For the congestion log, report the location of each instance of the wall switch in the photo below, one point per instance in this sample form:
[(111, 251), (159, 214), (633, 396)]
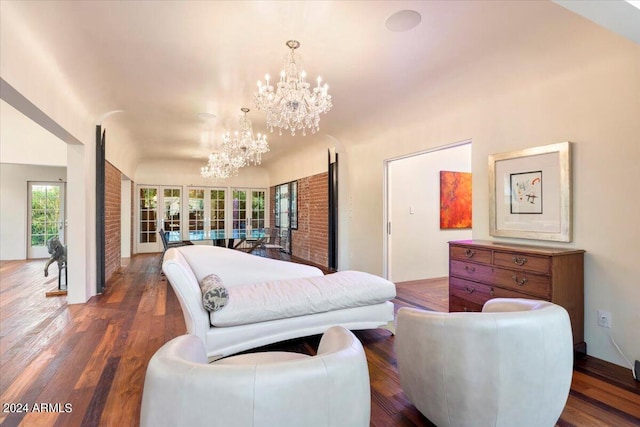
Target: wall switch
[(604, 319)]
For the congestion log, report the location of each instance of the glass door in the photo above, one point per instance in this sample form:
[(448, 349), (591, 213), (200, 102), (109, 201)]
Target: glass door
[(206, 213), (286, 211), (239, 213), (258, 211), (159, 208), (197, 230), (249, 212), (148, 239), (172, 212), (217, 213), (46, 216)]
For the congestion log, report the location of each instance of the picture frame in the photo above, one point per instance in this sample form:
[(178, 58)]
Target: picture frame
[(530, 193)]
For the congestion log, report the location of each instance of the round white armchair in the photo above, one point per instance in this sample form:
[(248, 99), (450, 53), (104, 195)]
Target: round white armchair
[(258, 389), (510, 365)]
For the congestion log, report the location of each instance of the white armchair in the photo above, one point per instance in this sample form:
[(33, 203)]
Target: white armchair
[(509, 365), (258, 389)]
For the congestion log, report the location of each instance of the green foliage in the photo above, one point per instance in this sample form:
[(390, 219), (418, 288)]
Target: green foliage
[(45, 213)]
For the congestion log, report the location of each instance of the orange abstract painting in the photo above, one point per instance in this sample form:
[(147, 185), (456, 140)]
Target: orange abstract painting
[(455, 200)]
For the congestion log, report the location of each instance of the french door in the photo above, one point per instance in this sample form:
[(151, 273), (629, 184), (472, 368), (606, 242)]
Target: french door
[(249, 213), (46, 216), (196, 213), (207, 213), (159, 208)]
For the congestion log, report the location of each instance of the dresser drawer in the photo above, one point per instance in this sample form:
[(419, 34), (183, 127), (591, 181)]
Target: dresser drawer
[(470, 291), (497, 292), (474, 254), (460, 304), (540, 264), (471, 271), (479, 294), (521, 281)]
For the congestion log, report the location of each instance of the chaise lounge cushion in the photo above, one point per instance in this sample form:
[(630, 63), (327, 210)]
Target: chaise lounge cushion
[(279, 299)]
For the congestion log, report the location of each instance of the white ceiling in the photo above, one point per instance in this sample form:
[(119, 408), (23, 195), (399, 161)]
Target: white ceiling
[(165, 61)]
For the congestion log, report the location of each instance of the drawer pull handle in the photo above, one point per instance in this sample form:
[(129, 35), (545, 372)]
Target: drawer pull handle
[(520, 260), (471, 269), (466, 309), (520, 282), (469, 253), (469, 290), (492, 293)]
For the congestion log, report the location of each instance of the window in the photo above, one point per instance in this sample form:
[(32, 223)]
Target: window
[(171, 201), (148, 212), (286, 209), (196, 212), (217, 213)]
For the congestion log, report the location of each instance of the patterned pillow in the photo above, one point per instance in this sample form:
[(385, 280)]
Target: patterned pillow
[(214, 294)]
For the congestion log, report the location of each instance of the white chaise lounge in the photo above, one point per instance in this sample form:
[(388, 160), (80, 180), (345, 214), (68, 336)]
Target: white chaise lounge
[(272, 300)]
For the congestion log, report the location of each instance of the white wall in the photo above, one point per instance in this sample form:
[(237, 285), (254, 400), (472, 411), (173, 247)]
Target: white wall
[(417, 246), (585, 90), (162, 172), (14, 204), (29, 68), (24, 142)]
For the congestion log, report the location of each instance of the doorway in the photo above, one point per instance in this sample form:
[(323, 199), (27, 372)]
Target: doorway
[(46, 217), (415, 246)]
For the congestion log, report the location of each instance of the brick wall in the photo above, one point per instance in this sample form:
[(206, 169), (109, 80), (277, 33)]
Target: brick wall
[(113, 182), (310, 240)]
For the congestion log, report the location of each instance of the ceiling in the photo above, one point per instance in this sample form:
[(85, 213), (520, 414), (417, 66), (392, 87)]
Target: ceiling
[(163, 62)]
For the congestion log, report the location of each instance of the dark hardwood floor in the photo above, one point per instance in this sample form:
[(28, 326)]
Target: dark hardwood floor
[(84, 365)]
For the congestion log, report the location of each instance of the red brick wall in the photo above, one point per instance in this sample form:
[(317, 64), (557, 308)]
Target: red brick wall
[(310, 240), (112, 223)]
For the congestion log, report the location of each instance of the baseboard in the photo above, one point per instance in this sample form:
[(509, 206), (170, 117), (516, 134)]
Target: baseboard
[(609, 372)]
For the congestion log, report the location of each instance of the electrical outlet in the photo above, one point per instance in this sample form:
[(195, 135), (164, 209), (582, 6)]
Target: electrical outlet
[(604, 319)]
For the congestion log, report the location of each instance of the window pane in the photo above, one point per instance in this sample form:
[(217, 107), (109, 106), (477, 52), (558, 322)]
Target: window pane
[(172, 212), (196, 212)]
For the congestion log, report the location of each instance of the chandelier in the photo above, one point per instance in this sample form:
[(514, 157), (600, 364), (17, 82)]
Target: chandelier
[(244, 144), (220, 166), (293, 105), (236, 152)]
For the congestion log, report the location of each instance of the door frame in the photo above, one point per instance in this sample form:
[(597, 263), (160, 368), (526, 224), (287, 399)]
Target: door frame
[(387, 221)]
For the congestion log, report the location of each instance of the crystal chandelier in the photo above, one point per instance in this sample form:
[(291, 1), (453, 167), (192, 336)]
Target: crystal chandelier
[(236, 151), (293, 105), (220, 166), (244, 143)]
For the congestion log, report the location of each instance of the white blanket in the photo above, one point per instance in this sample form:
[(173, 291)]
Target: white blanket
[(281, 299)]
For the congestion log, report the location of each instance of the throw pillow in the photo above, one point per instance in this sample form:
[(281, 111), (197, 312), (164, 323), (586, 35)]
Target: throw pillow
[(214, 294)]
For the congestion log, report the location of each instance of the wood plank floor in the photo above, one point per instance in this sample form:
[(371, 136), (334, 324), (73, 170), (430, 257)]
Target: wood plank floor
[(84, 365)]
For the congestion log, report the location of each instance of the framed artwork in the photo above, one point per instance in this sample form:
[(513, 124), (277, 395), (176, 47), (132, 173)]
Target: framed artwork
[(455, 200), (530, 193)]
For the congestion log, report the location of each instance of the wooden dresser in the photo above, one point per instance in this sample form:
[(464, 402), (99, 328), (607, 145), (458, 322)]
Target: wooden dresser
[(481, 270)]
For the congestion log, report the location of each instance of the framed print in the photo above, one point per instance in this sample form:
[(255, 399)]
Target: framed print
[(530, 193)]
